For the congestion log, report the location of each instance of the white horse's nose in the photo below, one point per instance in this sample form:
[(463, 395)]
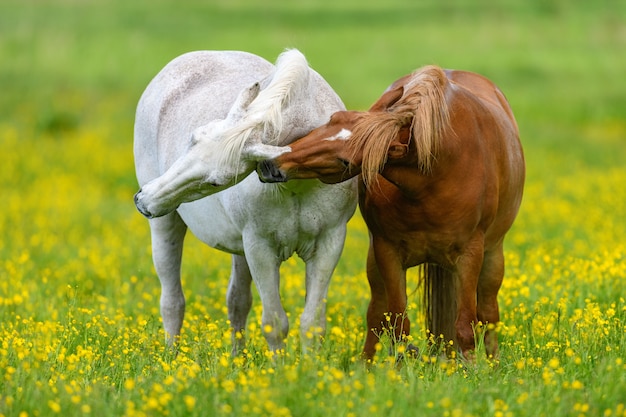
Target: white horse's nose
[(140, 205)]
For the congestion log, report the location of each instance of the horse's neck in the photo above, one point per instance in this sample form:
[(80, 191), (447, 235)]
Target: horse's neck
[(299, 119), (310, 107)]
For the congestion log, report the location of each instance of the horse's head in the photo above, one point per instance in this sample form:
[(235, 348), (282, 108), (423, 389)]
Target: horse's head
[(335, 151), (323, 154), (211, 163)]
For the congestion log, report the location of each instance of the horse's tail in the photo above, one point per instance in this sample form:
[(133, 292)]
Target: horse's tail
[(439, 302)]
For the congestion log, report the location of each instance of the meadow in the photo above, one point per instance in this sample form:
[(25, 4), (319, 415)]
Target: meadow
[(80, 330)]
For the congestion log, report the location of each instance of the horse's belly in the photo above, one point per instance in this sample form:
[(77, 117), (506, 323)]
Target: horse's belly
[(210, 223)]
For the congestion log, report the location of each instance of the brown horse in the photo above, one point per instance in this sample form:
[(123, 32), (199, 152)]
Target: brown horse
[(442, 174)]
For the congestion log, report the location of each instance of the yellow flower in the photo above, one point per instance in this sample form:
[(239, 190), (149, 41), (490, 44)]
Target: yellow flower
[(228, 385), (54, 406), (129, 384), (521, 399), (152, 403), (554, 363), (335, 388), (190, 402)]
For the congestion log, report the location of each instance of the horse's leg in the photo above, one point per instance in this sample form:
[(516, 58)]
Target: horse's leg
[(264, 266), (239, 301), (489, 284), (387, 282), (394, 278), (468, 269), (319, 270), (377, 306), (168, 235)]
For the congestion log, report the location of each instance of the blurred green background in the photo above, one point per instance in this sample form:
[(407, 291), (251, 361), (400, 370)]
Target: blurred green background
[(66, 63)]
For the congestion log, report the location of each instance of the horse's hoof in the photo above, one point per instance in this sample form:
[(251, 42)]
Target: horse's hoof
[(411, 351)]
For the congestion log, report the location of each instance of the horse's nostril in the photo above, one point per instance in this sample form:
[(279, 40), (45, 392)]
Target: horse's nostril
[(269, 172)]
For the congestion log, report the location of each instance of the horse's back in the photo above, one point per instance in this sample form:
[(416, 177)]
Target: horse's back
[(191, 90)]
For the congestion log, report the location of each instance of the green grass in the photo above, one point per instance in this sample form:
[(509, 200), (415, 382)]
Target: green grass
[(80, 332)]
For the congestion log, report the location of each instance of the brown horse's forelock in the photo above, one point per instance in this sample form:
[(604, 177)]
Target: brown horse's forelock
[(423, 105)]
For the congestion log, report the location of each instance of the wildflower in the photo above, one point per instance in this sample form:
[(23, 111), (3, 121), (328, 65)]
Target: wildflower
[(337, 332), (228, 386), (522, 398), (335, 388), (54, 406), (554, 363), (190, 402)]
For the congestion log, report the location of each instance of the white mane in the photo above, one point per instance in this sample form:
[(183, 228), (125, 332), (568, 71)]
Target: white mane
[(265, 114)]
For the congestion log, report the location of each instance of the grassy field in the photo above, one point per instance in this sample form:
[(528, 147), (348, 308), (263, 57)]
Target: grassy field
[(80, 330)]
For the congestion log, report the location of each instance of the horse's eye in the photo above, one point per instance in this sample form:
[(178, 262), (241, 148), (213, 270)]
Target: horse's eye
[(345, 163), (210, 183)]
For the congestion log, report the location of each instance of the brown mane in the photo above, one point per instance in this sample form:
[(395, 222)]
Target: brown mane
[(423, 105)]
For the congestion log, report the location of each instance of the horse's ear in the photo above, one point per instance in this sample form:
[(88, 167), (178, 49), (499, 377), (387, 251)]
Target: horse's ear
[(245, 97), (388, 99)]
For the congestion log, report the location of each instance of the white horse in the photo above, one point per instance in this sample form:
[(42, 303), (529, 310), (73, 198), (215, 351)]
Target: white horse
[(201, 125)]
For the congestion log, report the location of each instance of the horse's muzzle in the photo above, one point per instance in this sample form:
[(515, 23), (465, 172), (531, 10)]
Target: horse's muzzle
[(269, 172), (141, 207)]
